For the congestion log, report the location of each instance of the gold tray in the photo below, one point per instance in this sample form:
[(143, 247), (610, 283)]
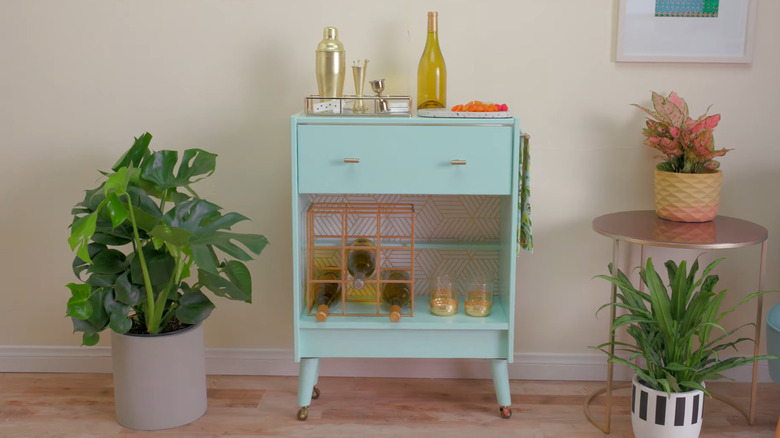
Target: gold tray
[(350, 105)]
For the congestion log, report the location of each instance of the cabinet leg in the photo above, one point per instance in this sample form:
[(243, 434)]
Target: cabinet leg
[(307, 377), (500, 370), (316, 392)]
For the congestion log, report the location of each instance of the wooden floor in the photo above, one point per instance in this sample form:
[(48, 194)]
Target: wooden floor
[(81, 405)]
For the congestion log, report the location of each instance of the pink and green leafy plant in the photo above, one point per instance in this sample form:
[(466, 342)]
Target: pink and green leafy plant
[(687, 144)]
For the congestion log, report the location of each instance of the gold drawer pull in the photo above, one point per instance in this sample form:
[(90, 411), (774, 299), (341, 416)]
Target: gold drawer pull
[(458, 162), (351, 160)]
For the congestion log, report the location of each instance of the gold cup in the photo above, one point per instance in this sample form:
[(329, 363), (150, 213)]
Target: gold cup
[(479, 297), (444, 302)]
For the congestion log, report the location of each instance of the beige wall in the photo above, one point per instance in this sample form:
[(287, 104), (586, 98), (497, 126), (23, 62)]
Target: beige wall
[(79, 79)]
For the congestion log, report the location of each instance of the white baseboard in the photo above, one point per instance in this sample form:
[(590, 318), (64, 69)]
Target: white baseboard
[(271, 362), (36, 359)]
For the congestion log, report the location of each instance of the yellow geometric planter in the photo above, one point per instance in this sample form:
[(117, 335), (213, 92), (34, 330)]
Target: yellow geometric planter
[(687, 197)]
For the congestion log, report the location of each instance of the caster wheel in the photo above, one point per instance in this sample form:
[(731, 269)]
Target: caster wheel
[(506, 411), (303, 413), (315, 394)]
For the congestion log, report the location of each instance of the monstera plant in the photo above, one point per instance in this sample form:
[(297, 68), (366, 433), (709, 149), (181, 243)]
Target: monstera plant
[(148, 247)]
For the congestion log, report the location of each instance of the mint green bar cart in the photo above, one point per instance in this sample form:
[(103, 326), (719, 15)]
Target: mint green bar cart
[(439, 165)]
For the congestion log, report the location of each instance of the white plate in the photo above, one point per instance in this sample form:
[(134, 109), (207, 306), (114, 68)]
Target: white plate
[(463, 114)]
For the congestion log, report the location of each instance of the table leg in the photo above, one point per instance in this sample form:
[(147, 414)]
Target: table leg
[(759, 320), (612, 314), (641, 265)]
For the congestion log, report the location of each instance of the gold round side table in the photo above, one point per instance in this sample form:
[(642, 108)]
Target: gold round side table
[(645, 228)]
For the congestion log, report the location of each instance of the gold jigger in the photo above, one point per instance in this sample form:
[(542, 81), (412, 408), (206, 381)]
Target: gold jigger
[(379, 86)]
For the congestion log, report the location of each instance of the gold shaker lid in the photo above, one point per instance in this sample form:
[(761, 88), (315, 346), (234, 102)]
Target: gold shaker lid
[(330, 42), (330, 33)]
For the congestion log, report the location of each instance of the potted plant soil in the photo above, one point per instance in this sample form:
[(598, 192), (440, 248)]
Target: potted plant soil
[(677, 342), (687, 182), (148, 248)]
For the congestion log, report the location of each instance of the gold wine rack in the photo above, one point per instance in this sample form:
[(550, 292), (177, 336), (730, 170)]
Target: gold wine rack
[(331, 228)]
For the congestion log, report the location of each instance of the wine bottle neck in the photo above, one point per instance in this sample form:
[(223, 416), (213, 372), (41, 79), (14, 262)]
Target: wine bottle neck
[(433, 22), (322, 313), (395, 313)]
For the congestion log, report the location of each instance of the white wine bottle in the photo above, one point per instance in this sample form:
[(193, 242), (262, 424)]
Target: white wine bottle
[(396, 295), (361, 262), (432, 73), (326, 293)]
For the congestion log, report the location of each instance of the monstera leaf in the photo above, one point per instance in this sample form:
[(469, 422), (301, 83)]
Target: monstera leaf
[(159, 168), (194, 306), (236, 283), (160, 266), (126, 292), (90, 332), (198, 223), (117, 313), (136, 153)]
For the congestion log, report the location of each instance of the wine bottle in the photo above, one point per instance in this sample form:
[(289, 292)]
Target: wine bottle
[(361, 262), (326, 293), (396, 295), (432, 73)]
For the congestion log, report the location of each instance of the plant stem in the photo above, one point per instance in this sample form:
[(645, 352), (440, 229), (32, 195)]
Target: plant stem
[(151, 323), (162, 201), (189, 189), (162, 298)]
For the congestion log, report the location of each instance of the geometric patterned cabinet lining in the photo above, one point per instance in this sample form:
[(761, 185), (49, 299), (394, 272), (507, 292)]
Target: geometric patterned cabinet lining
[(464, 218)]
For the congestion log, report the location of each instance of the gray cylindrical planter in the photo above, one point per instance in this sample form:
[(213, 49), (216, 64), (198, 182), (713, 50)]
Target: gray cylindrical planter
[(159, 380)]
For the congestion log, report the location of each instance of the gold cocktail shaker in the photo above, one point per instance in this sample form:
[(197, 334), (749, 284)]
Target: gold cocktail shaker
[(331, 64)]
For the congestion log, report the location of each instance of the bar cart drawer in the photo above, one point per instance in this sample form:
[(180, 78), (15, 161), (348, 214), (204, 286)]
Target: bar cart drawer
[(485, 344), (405, 159)]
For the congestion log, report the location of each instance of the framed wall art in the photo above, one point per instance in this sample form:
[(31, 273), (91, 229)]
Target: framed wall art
[(685, 30)]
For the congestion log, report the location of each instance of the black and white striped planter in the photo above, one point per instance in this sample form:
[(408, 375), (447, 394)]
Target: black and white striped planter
[(656, 415)]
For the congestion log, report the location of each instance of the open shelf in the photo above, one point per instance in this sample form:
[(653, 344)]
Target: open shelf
[(422, 319)]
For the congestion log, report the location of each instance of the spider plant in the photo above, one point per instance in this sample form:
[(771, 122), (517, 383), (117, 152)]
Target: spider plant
[(679, 334)]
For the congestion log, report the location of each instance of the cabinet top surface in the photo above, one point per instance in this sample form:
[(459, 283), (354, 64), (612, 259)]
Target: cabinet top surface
[(303, 119), (646, 228)]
